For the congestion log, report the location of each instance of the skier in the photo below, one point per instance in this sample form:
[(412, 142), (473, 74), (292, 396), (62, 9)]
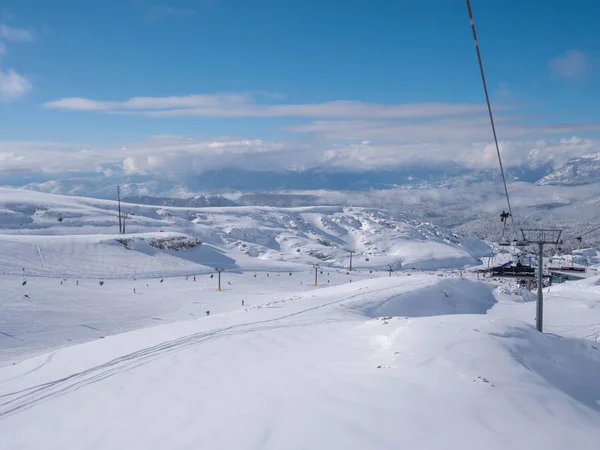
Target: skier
[(212, 275), (76, 282), (194, 278), (207, 312), (134, 290), (242, 302)]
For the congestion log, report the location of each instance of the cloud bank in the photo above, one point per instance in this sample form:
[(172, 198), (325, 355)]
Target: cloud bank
[(177, 155)]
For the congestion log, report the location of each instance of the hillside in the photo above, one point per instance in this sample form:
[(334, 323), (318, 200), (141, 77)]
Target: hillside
[(238, 237), (383, 359), (582, 170), (125, 341)]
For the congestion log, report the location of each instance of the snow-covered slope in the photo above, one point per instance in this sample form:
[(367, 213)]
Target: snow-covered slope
[(110, 341), (198, 201), (321, 369), (582, 170), (243, 237)]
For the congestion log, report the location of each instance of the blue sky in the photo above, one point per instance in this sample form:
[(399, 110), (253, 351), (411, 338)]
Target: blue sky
[(267, 70)]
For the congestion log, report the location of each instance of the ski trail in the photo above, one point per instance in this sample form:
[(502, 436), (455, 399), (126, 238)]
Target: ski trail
[(39, 252), (14, 402), (35, 369), (10, 336)]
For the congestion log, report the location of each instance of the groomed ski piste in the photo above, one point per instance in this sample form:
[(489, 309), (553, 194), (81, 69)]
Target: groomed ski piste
[(427, 358)]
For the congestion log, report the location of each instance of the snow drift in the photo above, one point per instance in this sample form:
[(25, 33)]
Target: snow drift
[(449, 296)]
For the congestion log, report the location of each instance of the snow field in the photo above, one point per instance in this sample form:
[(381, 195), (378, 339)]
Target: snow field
[(314, 371), (417, 360), (305, 235), (49, 312)]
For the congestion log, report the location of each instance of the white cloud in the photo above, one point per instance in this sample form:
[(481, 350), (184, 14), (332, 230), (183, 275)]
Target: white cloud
[(453, 129), (487, 197), (573, 65), (245, 105), (16, 34), (151, 103), (48, 157), (13, 85), (174, 156), (75, 103)]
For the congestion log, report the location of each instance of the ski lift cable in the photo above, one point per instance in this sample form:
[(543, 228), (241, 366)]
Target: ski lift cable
[(588, 232), (580, 237), (489, 107)]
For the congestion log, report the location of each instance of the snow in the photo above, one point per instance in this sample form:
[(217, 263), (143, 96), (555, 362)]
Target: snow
[(364, 360), (312, 373), (305, 235)]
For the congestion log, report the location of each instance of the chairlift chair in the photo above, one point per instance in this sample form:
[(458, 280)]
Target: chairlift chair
[(505, 242)]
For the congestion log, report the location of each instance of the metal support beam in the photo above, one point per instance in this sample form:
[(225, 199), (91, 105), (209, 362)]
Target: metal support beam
[(119, 207), (351, 253), (540, 237), (125, 217), (539, 316), (219, 270)]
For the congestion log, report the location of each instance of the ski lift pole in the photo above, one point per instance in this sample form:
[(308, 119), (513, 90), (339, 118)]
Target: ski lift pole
[(540, 236), (351, 253), (119, 207), (316, 274), (219, 270), (539, 310)]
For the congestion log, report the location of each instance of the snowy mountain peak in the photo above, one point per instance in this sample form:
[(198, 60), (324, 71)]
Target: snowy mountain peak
[(581, 170)]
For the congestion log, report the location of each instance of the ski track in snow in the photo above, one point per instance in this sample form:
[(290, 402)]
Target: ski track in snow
[(29, 397), (373, 352)]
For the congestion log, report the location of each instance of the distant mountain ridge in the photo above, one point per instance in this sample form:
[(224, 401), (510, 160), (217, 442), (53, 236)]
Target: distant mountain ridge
[(199, 201), (245, 235), (583, 170), (579, 170)]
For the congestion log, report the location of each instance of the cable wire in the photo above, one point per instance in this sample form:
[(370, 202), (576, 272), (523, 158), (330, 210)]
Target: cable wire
[(588, 232), (489, 106)]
